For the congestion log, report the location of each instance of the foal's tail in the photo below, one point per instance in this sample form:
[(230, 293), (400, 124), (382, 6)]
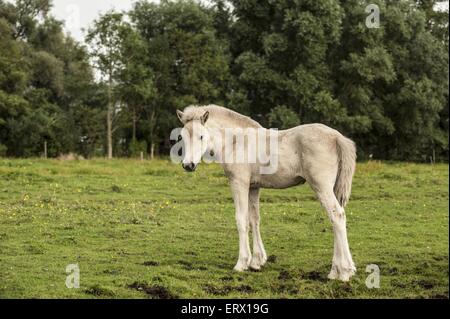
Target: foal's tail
[(347, 161)]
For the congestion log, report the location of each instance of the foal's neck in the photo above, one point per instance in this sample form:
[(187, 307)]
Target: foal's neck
[(223, 124)]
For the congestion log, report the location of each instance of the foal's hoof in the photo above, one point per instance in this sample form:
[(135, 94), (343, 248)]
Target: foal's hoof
[(258, 260), (255, 266), (240, 268), (242, 265), (342, 275), (333, 275), (264, 259)]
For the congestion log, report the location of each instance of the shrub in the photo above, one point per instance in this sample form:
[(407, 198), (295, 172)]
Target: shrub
[(3, 150), (137, 147)]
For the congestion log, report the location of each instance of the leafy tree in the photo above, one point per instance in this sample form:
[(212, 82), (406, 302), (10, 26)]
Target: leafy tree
[(45, 78), (281, 50), (277, 61), (190, 64), (26, 14), (136, 87), (105, 39), (393, 77), (385, 87), (282, 117)]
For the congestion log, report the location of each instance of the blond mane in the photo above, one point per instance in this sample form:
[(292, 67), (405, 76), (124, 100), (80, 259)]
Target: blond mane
[(219, 114)]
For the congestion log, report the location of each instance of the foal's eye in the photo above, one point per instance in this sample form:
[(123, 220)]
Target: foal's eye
[(180, 138)]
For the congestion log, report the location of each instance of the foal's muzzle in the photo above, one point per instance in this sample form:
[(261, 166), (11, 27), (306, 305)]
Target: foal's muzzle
[(189, 167)]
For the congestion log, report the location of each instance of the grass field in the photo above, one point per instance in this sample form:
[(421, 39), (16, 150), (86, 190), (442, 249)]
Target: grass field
[(150, 230)]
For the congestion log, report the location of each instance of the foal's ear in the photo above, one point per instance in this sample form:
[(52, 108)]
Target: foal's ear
[(180, 116), (205, 117)]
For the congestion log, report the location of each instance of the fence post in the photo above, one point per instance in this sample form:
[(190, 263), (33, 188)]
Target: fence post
[(45, 149), (152, 151)]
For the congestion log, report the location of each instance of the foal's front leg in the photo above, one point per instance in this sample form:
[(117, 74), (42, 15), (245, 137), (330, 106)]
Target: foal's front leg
[(240, 195)]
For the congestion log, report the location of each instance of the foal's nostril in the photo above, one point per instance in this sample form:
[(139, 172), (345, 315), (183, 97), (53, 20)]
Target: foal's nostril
[(189, 167)]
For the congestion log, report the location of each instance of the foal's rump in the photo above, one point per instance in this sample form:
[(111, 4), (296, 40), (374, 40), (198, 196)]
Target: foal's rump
[(328, 159)]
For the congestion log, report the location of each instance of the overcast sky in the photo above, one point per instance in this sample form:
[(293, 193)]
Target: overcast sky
[(79, 14)]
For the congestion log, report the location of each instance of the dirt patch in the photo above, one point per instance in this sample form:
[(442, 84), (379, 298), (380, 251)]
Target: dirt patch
[(217, 291), (440, 257), (313, 275), (225, 290), (286, 283), (186, 264), (111, 271), (284, 275), (150, 263), (227, 278), (97, 290), (35, 250), (425, 284), (189, 266), (243, 288), (289, 289), (398, 283), (116, 189), (340, 290), (272, 259), (310, 275), (439, 296), (393, 271), (153, 291)]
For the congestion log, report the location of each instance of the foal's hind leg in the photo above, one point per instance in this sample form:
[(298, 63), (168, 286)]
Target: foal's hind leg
[(259, 254), (343, 267)]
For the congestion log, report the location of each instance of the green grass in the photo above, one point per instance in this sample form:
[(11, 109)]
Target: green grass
[(149, 230)]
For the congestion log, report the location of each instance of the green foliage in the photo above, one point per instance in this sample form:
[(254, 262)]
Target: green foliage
[(3, 150), (189, 63), (45, 80), (387, 88), (26, 16), (282, 117), (396, 77), (276, 61), (281, 53), (136, 147), (105, 38)]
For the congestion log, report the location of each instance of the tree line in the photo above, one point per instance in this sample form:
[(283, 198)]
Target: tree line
[(283, 63)]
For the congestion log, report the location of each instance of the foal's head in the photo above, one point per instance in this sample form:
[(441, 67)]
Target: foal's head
[(195, 139)]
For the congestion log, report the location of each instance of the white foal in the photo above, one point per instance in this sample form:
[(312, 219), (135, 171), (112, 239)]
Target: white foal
[(311, 153)]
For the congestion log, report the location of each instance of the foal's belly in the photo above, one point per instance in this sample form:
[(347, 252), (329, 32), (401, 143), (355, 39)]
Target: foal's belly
[(274, 181), (284, 177), (288, 167)]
